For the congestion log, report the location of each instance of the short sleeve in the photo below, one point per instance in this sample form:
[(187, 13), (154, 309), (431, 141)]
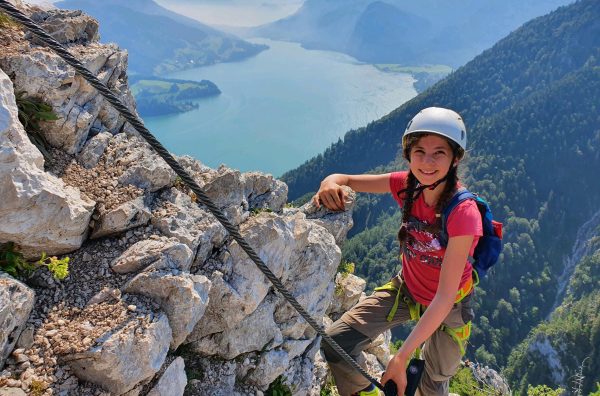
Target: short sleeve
[(397, 183), (465, 219)]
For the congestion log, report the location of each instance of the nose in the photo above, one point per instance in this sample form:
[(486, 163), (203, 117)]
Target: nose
[(429, 158)]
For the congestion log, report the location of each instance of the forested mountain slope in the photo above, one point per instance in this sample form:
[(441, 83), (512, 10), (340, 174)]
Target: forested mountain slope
[(531, 105), (540, 52), (567, 346)]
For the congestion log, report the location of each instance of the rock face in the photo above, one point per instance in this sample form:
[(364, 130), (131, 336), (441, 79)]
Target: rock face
[(173, 380), (68, 27), (37, 209), (41, 73), (126, 358), (348, 291), (16, 303), (183, 297), (153, 274)]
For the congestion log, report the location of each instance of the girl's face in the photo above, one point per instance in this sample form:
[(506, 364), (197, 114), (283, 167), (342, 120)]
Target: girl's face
[(430, 159)]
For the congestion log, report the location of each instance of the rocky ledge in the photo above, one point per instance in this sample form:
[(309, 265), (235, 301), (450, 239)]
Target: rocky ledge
[(159, 299)]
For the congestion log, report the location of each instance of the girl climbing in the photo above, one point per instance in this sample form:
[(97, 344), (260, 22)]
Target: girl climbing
[(435, 284)]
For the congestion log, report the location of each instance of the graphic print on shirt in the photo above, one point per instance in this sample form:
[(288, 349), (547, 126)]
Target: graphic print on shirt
[(422, 244)]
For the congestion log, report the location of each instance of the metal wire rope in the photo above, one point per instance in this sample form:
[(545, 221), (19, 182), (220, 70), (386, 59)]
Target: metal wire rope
[(186, 178)]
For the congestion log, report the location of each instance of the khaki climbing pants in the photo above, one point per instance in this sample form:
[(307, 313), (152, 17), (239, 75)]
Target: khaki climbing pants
[(357, 328)]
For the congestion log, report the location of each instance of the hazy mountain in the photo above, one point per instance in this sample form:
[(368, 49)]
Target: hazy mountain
[(428, 31), (159, 40)]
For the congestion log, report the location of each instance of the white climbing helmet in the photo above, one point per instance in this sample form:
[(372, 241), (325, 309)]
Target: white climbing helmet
[(439, 121)]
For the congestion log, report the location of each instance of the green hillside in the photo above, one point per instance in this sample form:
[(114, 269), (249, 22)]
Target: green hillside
[(531, 105), (158, 96), (567, 345)]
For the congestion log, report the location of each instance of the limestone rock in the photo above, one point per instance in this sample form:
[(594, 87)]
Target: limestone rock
[(16, 303), (93, 150), (4, 391), (348, 290), (189, 223), (126, 358), (380, 347), (173, 380), (338, 223), (320, 372), (129, 215), (182, 297), (253, 333), (373, 366), (144, 168), (302, 373), (32, 200), (236, 193), (264, 191), (271, 365), (162, 254), (303, 255), (68, 27), (43, 74)]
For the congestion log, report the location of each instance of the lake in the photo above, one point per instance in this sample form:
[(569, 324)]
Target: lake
[(279, 108)]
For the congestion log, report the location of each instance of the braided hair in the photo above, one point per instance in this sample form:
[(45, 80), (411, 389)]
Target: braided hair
[(412, 190)]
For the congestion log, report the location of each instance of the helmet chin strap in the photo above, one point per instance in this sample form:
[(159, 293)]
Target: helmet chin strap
[(420, 187)]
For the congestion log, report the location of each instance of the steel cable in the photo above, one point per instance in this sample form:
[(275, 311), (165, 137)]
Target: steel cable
[(135, 121)]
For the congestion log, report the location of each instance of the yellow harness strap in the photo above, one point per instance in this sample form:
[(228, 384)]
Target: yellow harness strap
[(416, 309), (459, 334), (413, 308)]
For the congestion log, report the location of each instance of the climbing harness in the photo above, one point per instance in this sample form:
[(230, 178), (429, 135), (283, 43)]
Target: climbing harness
[(459, 334), (137, 123)]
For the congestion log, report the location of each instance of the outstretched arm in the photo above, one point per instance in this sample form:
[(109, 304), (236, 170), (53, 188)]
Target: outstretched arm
[(453, 266), (333, 196)]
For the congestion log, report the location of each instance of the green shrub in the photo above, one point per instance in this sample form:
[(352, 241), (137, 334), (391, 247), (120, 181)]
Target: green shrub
[(346, 267), (6, 21), (279, 388), (543, 390), (31, 113), (464, 384), (13, 263)]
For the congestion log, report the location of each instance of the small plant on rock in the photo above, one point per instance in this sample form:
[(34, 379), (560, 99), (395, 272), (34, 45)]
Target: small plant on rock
[(6, 21), (31, 113), (346, 267), (14, 263), (279, 388)]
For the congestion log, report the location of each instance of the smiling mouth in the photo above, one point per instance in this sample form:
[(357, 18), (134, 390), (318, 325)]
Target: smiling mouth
[(428, 173)]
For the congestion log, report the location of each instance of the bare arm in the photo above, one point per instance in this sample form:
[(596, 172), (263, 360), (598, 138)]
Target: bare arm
[(333, 196), (452, 269)]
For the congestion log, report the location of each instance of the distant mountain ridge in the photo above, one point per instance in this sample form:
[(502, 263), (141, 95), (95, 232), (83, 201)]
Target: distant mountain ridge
[(408, 33), (159, 40)]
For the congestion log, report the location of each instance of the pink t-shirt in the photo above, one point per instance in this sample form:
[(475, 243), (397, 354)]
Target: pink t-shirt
[(422, 260)]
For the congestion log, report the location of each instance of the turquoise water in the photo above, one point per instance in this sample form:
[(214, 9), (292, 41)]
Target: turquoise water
[(279, 108)]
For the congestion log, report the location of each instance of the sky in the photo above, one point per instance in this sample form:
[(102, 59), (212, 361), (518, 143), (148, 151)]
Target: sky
[(238, 13)]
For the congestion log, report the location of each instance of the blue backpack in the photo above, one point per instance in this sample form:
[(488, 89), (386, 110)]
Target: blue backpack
[(490, 244)]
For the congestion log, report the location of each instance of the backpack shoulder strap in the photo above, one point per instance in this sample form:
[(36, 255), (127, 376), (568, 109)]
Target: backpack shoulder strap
[(460, 195)]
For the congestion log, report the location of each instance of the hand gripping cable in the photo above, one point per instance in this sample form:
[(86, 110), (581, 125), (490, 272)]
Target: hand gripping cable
[(137, 123)]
